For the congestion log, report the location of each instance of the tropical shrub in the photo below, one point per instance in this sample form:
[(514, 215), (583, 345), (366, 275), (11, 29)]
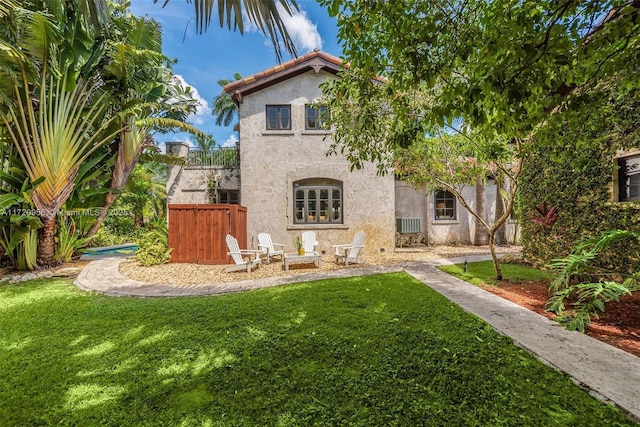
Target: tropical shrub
[(106, 237), (68, 239), (590, 285), (19, 223), (153, 246)]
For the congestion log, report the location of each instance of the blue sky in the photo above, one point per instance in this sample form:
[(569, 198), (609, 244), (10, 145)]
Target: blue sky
[(203, 59)]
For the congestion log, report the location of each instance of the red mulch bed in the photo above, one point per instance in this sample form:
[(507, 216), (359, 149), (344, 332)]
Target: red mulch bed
[(619, 327)]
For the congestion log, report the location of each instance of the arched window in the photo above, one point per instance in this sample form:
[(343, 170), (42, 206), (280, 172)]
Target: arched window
[(317, 201), (445, 205)]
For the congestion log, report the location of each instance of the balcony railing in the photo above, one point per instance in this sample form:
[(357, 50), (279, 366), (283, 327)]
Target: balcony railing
[(227, 157)]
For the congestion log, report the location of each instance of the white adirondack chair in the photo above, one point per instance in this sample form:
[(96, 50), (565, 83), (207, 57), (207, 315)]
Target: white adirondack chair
[(268, 247), (252, 260), (349, 253), (309, 242)]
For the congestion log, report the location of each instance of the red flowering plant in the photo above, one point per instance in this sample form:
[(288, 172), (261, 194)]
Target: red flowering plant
[(545, 216)]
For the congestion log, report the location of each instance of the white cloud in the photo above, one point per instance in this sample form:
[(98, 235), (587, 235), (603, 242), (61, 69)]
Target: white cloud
[(231, 141), (203, 112), (303, 32)]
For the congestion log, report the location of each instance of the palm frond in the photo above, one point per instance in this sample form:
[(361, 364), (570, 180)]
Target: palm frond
[(6, 6), (54, 141), (96, 14), (170, 123), (266, 16), (145, 34), (168, 159), (40, 39), (263, 13)]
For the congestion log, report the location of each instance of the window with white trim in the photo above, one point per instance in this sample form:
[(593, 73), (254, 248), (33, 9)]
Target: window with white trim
[(317, 201)]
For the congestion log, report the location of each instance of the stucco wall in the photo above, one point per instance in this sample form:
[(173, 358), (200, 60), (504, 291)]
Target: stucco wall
[(188, 184), (271, 161), (411, 202)]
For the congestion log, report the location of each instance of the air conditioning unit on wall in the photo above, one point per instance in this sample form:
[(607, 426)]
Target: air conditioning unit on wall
[(409, 225)]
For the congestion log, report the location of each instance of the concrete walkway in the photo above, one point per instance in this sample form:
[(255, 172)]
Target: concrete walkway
[(606, 372)]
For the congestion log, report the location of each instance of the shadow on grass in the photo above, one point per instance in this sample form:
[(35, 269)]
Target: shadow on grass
[(373, 350)]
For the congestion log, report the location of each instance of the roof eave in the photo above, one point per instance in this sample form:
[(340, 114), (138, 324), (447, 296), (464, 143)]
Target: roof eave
[(237, 90)]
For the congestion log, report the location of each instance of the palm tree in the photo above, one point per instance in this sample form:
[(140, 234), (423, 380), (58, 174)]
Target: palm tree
[(263, 13), (146, 98), (73, 117), (70, 83), (223, 106), (481, 237), (53, 142)]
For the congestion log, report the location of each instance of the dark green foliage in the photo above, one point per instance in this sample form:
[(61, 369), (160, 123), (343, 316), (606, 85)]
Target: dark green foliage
[(141, 201), (582, 277), (369, 351), (19, 223), (571, 165)]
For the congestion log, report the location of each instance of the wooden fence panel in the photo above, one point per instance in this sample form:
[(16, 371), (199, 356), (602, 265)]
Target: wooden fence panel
[(181, 224), (197, 232)]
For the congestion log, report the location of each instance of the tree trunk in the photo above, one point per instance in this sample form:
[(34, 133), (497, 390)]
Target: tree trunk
[(501, 238), (481, 237), (109, 199), (121, 172), (494, 257), (47, 242)]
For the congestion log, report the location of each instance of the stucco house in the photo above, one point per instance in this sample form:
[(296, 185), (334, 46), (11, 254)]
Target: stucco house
[(288, 183)]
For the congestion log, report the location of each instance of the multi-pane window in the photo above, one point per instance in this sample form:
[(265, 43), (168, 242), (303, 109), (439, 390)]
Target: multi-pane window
[(314, 117), (629, 178), (229, 196), (317, 201), (445, 205), (278, 117)]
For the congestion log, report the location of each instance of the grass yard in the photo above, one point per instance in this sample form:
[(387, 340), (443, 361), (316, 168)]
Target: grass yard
[(483, 274), (377, 350)]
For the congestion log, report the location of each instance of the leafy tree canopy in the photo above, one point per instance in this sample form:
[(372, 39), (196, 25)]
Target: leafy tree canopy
[(500, 66)]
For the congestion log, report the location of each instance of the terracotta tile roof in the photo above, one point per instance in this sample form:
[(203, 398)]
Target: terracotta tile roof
[(284, 67)]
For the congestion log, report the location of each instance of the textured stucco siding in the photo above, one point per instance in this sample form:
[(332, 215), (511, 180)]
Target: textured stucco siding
[(271, 161), (411, 202), (188, 185)]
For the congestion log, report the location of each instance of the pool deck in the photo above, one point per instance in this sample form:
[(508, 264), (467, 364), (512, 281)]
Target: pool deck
[(606, 372)]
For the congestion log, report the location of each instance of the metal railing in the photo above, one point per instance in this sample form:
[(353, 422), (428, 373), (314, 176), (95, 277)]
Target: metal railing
[(227, 157)]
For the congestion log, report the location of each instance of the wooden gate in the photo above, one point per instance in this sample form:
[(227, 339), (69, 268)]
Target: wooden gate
[(197, 232)]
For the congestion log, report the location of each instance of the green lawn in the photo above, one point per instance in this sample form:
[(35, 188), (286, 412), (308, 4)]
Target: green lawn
[(374, 351), (483, 274)]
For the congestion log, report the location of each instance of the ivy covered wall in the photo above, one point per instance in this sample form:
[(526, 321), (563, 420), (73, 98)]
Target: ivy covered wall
[(571, 166)]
